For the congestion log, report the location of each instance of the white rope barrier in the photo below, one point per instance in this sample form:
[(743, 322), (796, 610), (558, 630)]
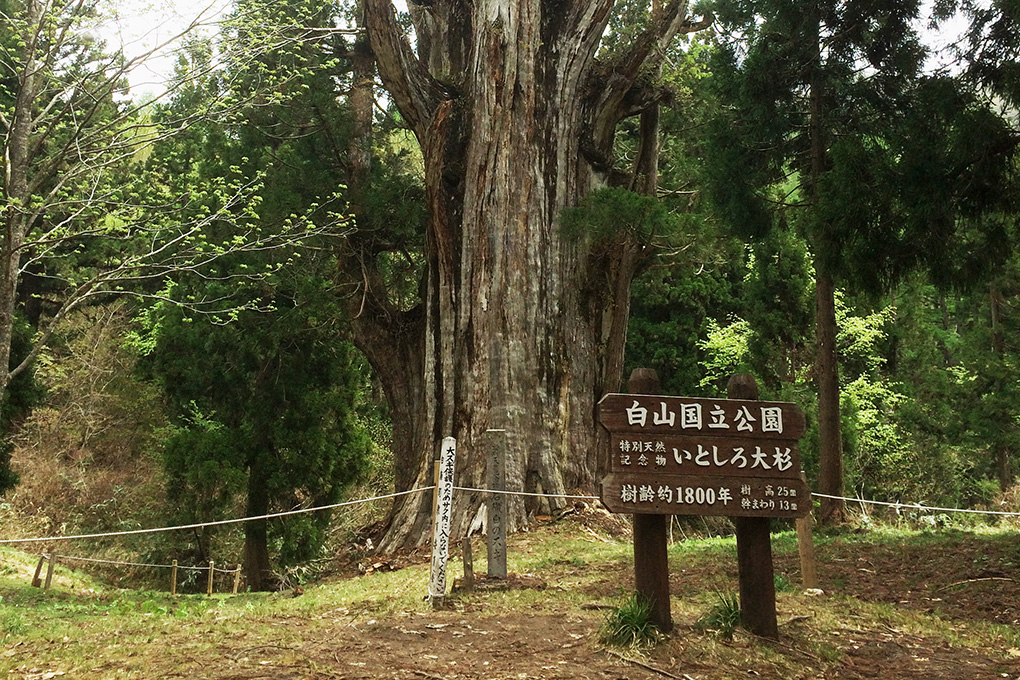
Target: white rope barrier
[(46, 539), (239, 520), (917, 506), (525, 493), (898, 506)]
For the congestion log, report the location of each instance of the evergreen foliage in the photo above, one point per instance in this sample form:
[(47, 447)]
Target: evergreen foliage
[(264, 406), (262, 393)]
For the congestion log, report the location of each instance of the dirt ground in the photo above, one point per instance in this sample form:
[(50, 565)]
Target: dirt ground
[(924, 601)]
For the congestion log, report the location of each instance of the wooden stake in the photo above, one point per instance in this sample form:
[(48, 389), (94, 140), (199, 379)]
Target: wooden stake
[(754, 549), (237, 579), (173, 578), (651, 560), (37, 579), (212, 571), (49, 570), (469, 565), (445, 471), (806, 548)]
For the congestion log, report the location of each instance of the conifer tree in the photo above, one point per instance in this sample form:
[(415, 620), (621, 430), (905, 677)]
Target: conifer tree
[(795, 81)]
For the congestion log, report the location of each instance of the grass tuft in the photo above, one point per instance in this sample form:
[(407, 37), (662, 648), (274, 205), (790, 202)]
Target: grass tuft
[(630, 624), (724, 616)]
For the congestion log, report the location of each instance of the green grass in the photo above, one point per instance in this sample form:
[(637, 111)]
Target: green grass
[(82, 623)]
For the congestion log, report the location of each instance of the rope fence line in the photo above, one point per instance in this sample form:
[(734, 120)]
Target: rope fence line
[(91, 560), (211, 569), (529, 494), (918, 506), (135, 564), (239, 520)]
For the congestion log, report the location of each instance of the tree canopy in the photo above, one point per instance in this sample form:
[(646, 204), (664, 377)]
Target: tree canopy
[(473, 217)]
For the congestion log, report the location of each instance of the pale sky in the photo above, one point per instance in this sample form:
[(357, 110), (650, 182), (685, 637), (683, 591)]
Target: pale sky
[(142, 25)]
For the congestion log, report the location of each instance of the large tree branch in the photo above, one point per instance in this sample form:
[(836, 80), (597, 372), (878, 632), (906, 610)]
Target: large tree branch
[(416, 93), (617, 91)]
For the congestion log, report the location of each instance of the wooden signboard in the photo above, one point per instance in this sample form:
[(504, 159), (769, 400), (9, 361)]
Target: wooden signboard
[(694, 456), (734, 457)]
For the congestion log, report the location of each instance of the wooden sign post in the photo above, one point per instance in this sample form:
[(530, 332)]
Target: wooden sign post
[(806, 548), (734, 457), (651, 557), (756, 573), (442, 518)]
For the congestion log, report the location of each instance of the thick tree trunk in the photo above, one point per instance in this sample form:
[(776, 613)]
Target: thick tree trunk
[(830, 435), (830, 460), (522, 326), (258, 570), (502, 279)]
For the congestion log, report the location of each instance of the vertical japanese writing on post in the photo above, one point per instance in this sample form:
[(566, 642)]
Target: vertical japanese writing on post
[(444, 505)]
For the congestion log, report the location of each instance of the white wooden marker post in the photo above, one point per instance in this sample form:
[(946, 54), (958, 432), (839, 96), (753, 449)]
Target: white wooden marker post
[(441, 528)]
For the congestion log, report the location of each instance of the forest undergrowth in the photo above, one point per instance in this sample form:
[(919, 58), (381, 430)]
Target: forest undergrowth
[(894, 602)]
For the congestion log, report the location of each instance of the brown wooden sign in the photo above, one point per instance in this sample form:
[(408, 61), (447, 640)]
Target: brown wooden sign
[(706, 495), (696, 456)]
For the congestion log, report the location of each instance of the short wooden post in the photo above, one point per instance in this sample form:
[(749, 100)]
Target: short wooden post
[(754, 549), (651, 559), (495, 470), (806, 548), (37, 579), (212, 571), (49, 570), (237, 579), (469, 565), (173, 578)]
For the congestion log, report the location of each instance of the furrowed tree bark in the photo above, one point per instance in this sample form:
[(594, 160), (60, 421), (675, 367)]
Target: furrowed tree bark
[(512, 112)]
